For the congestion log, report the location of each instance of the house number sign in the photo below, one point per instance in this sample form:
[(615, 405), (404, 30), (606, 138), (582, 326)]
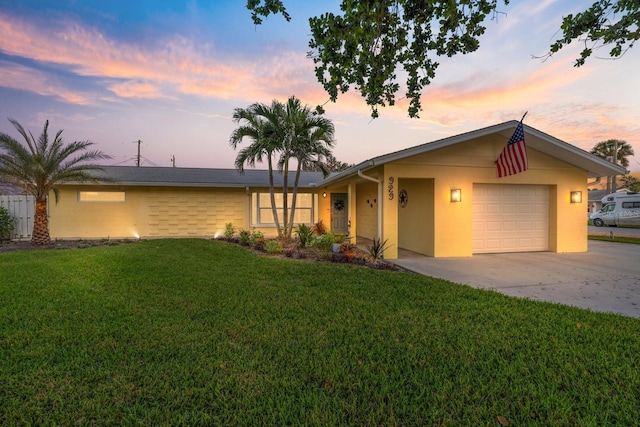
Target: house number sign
[(390, 187)]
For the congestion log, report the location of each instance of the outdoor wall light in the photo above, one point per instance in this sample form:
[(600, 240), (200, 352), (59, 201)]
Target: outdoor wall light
[(456, 195), (576, 197), (324, 194)]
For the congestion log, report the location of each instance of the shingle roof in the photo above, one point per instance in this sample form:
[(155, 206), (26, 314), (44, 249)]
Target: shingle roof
[(200, 177)]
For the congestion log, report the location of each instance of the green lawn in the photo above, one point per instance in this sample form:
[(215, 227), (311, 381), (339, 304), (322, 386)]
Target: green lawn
[(197, 332)]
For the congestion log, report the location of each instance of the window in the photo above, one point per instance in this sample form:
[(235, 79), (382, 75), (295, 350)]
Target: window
[(101, 196), (630, 205), (608, 208), (264, 213)]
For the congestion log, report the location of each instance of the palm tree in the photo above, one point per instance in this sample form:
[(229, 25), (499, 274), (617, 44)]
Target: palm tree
[(309, 139), (260, 125), (616, 151), (282, 132), (39, 166), (605, 150)]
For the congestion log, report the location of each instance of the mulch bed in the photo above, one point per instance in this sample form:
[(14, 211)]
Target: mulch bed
[(352, 255)]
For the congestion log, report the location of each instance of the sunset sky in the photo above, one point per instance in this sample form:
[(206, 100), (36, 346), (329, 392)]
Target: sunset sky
[(170, 73)]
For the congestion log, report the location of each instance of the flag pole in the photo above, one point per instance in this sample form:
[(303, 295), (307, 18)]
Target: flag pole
[(525, 114)]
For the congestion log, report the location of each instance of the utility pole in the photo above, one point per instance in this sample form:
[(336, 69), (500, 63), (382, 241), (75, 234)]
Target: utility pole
[(138, 158), (615, 162)]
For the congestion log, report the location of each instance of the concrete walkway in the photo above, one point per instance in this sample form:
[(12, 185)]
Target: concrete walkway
[(606, 278)]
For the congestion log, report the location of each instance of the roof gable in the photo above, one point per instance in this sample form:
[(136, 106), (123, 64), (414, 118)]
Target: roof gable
[(535, 139)]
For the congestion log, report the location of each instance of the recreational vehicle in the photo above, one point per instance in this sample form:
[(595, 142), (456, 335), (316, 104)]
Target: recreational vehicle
[(618, 209)]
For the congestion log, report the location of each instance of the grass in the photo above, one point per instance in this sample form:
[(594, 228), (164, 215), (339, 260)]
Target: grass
[(196, 332), (618, 239)]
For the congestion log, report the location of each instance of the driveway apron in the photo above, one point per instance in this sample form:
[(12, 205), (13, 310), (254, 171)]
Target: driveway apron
[(606, 278)]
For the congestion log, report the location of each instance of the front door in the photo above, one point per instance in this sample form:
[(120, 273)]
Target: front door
[(339, 211)]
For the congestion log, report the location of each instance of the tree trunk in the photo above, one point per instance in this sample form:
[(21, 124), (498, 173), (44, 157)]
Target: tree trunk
[(40, 234), (272, 194), (295, 195)]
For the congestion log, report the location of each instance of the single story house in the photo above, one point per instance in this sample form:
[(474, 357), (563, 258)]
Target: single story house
[(441, 199)]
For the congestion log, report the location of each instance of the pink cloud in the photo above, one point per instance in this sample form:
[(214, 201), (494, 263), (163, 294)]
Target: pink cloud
[(173, 65), (23, 78)]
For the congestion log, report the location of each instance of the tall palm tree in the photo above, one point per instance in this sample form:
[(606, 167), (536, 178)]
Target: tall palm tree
[(309, 140), (260, 125), (40, 166)]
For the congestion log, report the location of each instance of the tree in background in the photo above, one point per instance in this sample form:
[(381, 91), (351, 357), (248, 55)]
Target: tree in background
[(630, 182), (610, 149), (331, 164), (365, 46), (40, 166), (605, 149)]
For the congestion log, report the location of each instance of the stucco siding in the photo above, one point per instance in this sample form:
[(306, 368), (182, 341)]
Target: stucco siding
[(367, 209), (416, 218), (147, 212), (464, 164)]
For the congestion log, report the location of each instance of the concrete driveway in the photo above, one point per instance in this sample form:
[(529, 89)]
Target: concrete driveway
[(606, 278)]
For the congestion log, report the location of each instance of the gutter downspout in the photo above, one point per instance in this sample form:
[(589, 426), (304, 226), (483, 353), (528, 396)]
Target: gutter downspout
[(377, 181)]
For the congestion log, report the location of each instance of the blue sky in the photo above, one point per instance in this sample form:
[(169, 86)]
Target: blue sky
[(170, 73)]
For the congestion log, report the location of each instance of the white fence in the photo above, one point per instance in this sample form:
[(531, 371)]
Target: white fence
[(22, 209)]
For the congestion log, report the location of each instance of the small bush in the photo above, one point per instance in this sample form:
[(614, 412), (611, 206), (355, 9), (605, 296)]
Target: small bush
[(244, 237), (6, 225), (256, 239), (319, 228), (305, 235), (229, 231), (325, 242), (273, 247)]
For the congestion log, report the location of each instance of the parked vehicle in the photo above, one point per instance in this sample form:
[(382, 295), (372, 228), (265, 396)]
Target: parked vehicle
[(618, 209)]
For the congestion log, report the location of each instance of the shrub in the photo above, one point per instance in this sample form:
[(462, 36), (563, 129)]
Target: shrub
[(6, 225), (256, 239), (305, 235), (244, 237), (273, 247), (377, 248), (319, 228), (229, 231), (325, 241)]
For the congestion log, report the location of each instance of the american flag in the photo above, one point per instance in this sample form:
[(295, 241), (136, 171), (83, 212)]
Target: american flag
[(513, 158)]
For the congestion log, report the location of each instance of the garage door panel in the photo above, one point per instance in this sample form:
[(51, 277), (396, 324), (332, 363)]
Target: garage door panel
[(510, 218)]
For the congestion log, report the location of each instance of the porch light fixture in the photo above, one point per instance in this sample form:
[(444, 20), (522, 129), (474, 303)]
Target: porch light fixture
[(576, 197), (456, 195), (324, 194)]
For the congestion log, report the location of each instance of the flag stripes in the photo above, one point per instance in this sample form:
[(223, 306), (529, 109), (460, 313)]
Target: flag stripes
[(513, 158)]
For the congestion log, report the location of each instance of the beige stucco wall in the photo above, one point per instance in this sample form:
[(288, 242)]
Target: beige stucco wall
[(416, 219), (367, 209), (464, 164), (147, 212), (449, 233)]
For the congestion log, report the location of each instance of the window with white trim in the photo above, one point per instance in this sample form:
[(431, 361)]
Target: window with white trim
[(101, 196), (264, 213)]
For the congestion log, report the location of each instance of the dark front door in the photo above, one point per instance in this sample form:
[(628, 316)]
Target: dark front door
[(339, 211)]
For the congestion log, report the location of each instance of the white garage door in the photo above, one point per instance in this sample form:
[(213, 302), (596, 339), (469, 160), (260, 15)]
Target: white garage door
[(510, 218)]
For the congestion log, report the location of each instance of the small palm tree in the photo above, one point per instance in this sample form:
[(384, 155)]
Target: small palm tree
[(39, 166)]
